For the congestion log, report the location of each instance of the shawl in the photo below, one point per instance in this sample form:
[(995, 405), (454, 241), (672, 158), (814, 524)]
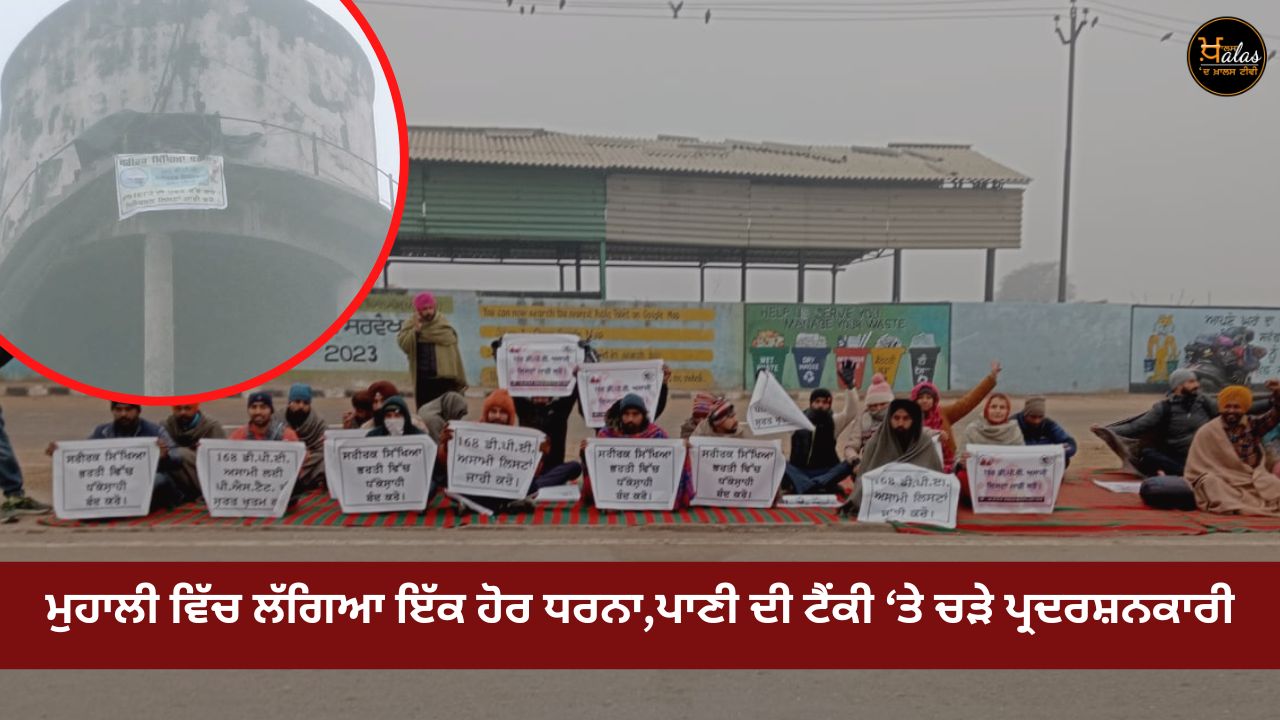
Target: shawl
[(439, 333), (205, 427), (883, 449), (1223, 483), (982, 431), (437, 413), (684, 492)]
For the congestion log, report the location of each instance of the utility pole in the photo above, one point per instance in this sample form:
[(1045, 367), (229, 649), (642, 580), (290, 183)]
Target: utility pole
[(1069, 39)]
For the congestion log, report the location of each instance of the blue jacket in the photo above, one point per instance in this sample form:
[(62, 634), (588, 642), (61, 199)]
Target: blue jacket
[(1048, 433)]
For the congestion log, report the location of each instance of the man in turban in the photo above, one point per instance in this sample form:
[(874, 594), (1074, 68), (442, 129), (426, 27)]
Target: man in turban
[(431, 344), (1226, 465)]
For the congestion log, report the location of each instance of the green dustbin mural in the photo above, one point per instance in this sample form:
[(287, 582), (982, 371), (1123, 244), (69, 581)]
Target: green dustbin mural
[(805, 345)]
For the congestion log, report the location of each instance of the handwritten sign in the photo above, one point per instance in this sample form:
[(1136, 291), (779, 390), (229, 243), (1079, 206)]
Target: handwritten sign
[(600, 385), (905, 493), (382, 474), (248, 478), (736, 473), (104, 478), (771, 410), (1006, 479), (828, 500), (164, 181), (332, 435), (635, 474), (539, 365), (493, 460)]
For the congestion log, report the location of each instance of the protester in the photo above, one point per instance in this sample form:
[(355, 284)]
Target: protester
[(441, 411), (127, 422), (1157, 442), (550, 415), (391, 419), (309, 427), (431, 343), (702, 404), (188, 425), (361, 411), (1225, 464), (1038, 429), (262, 424), (16, 501), (721, 422), (879, 395), (815, 466), (380, 391), (630, 420), (901, 440), (611, 416), (941, 417), (993, 428)]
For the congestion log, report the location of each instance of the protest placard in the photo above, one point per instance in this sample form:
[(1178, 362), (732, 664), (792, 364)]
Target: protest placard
[(772, 410), (332, 435), (635, 474), (168, 181), (600, 385), (532, 365), (493, 460), (906, 493), (1017, 479), (248, 478), (104, 478), (728, 472), (382, 474)]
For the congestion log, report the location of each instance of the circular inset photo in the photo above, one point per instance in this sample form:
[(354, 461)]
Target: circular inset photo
[(194, 194)]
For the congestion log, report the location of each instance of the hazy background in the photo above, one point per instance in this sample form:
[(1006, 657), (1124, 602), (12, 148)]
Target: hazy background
[(1174, 190)]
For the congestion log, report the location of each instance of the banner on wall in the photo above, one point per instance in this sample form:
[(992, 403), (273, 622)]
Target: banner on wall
[(1224, 346), (805, 346)]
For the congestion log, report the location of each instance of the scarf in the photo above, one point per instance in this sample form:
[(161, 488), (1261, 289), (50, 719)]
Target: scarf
[(984, 432), (274, 431), (438, 412), (202, 429), (650, 432), (311, 432), (885, 449), (932, 419)]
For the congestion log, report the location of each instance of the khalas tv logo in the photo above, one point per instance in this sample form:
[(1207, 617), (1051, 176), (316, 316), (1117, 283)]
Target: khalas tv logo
[(1226, 56)]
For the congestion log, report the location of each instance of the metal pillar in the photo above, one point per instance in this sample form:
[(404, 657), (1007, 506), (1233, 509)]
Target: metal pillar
[(743, 286), (800, 283), (577, 271), (702, 283), (604, 272), (560, 273), (1069, 39), (386, 274), (897, 276), (834, 272), (990, 293), (158, 322)]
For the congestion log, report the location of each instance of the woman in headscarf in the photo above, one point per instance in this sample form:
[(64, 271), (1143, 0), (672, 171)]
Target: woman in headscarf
[(995, 427), (901, 439), (941, 417)]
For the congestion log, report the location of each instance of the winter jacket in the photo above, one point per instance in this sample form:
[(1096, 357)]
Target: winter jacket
[(552, 419), (817, 450), (1172, 421), (1047, 433)]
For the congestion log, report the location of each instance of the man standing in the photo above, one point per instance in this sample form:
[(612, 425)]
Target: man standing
[(1037, 429), (1164, 433), (127, 422), (431, 343), (1225, 465), (188, 426), (16, 501), (815, 466), (309, 427)]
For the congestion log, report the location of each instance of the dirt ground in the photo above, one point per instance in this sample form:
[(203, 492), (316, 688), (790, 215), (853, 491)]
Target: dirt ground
[(32, 422)]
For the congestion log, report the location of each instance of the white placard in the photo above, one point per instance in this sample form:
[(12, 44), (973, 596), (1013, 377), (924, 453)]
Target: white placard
[(248, 478), (635, 474), (906, 493), (828, 500), (1015, 479), (539, 365), (772, 410), (729, 472), (568, 493), (382, 474), (332, 435), (600, 385), (104, 478), (1127, 487), (492, 460), (167, 181)]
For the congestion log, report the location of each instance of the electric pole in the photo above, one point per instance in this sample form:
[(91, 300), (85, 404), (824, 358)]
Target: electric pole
[(1069, 39)]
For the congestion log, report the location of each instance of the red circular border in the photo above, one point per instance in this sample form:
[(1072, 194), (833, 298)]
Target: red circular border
[(333, 329)]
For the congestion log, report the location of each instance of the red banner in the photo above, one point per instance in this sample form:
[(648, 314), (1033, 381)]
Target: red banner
[(640, 615)]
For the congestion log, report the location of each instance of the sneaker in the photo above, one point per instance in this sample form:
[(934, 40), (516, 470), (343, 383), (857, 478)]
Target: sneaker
[(23, 505)]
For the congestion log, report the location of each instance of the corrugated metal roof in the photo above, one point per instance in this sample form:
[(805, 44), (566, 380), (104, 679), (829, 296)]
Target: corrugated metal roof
[(540, 148)]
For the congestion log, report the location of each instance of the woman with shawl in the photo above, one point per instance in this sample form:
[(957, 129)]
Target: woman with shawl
[(995, 427)]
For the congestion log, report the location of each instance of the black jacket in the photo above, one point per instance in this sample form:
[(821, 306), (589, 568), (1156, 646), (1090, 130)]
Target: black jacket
[(552, 419), (1172, 422)]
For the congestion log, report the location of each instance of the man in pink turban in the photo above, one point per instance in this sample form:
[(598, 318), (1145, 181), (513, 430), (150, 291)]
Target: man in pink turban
[(431, 344)]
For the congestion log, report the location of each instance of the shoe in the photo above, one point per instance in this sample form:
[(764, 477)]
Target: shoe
[(23, 505), (525, 505)]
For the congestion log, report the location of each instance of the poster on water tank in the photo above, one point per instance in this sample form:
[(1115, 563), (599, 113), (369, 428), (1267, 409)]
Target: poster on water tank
[(1224, 346), (807, 346), (165, 181)]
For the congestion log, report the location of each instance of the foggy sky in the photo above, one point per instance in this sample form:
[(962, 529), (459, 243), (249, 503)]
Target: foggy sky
[(1174, 189)]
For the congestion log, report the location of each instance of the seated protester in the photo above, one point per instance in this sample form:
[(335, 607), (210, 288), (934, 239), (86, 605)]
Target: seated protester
[(381, 391), (441, 411), (1037, 429), (702, 404), (993, 428), (361, 411), (128, 423), (814, 466), (901, 440), (1272, 445), (941, 417), (391, 419), (264, 426), (551, 416), (879, 395), (1157, 442), (721, 422), (188, 426), (629, 419), (1225, 464), (309, 427), (16, 501)]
